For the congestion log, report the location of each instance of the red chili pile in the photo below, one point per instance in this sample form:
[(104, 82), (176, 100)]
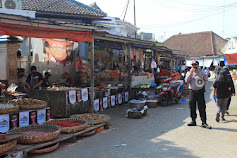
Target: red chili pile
[(3, 138), (65, 123)]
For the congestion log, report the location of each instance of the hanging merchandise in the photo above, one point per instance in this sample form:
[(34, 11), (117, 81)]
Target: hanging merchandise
[(24, 119), (113, 100), (4, 123), (84, 93), (41, 116), (105, 102), (72, 97)]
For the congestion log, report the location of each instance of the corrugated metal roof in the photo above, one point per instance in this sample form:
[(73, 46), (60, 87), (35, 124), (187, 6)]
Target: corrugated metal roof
[(60, 6)]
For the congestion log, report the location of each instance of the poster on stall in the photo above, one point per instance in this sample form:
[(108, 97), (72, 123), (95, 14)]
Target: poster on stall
[(126, 97), (72, 97), (105, 102), (116, 99), (33, 118), (58, 53), (4, 123), (97, 105), (67, 97), (78, 95), (84, 93), (120, 99), (41, 116), (24, 119), (113, 100), (109, 101), (14, 120)]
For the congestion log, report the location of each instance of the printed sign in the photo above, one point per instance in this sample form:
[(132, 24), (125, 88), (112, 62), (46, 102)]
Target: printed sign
[(67, 97), (41, 116), (126, 97), (47, 114), (58, 53), (78, 95), (109, 101), (120, 99), (105, 102), (84, 93), (72, 97), (4, 123), (33, 117), (116, 99), (113, 100), (24, 119), (96, 105), (14, 121)]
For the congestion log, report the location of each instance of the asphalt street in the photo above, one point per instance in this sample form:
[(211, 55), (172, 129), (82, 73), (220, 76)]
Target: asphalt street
[(163, 133)]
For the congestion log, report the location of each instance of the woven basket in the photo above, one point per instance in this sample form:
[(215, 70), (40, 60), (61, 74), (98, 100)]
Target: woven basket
[(45, 149), (135, 115), (51, 130), (101, 118), (7, 146), (41, 105), (10, 137), (88, 133), (83, 125), (8, 110)]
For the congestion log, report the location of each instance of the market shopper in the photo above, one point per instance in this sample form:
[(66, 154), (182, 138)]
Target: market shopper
[(232, 91), (196, 94), (46, 82), (34, 79), (222, 86)]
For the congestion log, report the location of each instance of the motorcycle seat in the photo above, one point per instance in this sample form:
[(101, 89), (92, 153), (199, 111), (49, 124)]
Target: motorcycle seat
[(175, 85)]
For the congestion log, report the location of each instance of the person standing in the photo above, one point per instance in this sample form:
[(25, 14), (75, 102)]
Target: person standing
[(34, 79), (46, 82), (222, 86), (232, 91), (196, 94)]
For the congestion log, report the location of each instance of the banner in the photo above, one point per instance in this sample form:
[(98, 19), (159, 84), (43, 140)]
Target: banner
[(24, 119), (120, 99), (72, 97), (4, 123), (126, 97), (78, 95), (58, 53), (96, 105), (41, 116), (113, 100), (105, 102), (84, 93)]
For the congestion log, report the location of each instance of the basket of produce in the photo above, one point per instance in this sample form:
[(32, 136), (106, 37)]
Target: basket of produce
[(69, 125), (88, 133), (138, 104), (133, 113), (29, 103), (4, 138), (6, 108), (152, 103), (45, 149), (92, 119), (36, 133), (7, 146)]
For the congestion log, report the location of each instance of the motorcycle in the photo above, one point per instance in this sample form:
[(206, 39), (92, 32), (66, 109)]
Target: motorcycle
[(170, 92)]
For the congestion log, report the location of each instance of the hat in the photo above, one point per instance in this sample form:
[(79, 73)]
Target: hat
[(47, 73), (195, 62)]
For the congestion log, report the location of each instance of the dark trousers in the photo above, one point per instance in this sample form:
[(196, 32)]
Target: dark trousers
[(197, 97), (228, 103)]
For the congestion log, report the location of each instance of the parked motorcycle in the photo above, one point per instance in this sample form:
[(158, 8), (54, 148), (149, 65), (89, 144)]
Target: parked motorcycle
[(170, 92)]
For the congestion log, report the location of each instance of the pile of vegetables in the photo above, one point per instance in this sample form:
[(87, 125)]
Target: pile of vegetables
[(64, 123), (25, 101), (3, 138), (142, 86)]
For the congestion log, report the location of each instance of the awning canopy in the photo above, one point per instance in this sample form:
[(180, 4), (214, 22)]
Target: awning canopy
[(230, 59), (39, 32)]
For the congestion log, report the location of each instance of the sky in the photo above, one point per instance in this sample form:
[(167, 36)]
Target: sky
[(166, 18)]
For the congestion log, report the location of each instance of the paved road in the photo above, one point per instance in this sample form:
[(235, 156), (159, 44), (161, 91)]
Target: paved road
[(163, 133)]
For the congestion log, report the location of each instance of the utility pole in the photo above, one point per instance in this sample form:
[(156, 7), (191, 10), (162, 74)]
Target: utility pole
[(135, 34)]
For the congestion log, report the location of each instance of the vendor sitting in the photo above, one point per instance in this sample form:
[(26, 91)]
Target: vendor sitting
[(46, 82), (69, 81)]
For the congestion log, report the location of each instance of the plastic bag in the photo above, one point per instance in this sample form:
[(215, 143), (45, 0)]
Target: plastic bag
[(12, 87)]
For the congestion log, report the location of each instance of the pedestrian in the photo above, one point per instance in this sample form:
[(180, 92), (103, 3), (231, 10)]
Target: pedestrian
[(34, 79), (232, 91), (222, 86), (46, 82), (196, 94)]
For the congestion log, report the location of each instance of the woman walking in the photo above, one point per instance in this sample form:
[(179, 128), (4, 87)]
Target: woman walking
[(222, 86)]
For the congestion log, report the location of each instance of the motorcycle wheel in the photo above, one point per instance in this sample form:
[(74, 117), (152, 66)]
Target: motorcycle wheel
[(165, 100)]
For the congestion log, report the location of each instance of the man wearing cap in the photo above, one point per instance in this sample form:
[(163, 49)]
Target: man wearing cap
[(46, 82), (196, 94), (34, 79)]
